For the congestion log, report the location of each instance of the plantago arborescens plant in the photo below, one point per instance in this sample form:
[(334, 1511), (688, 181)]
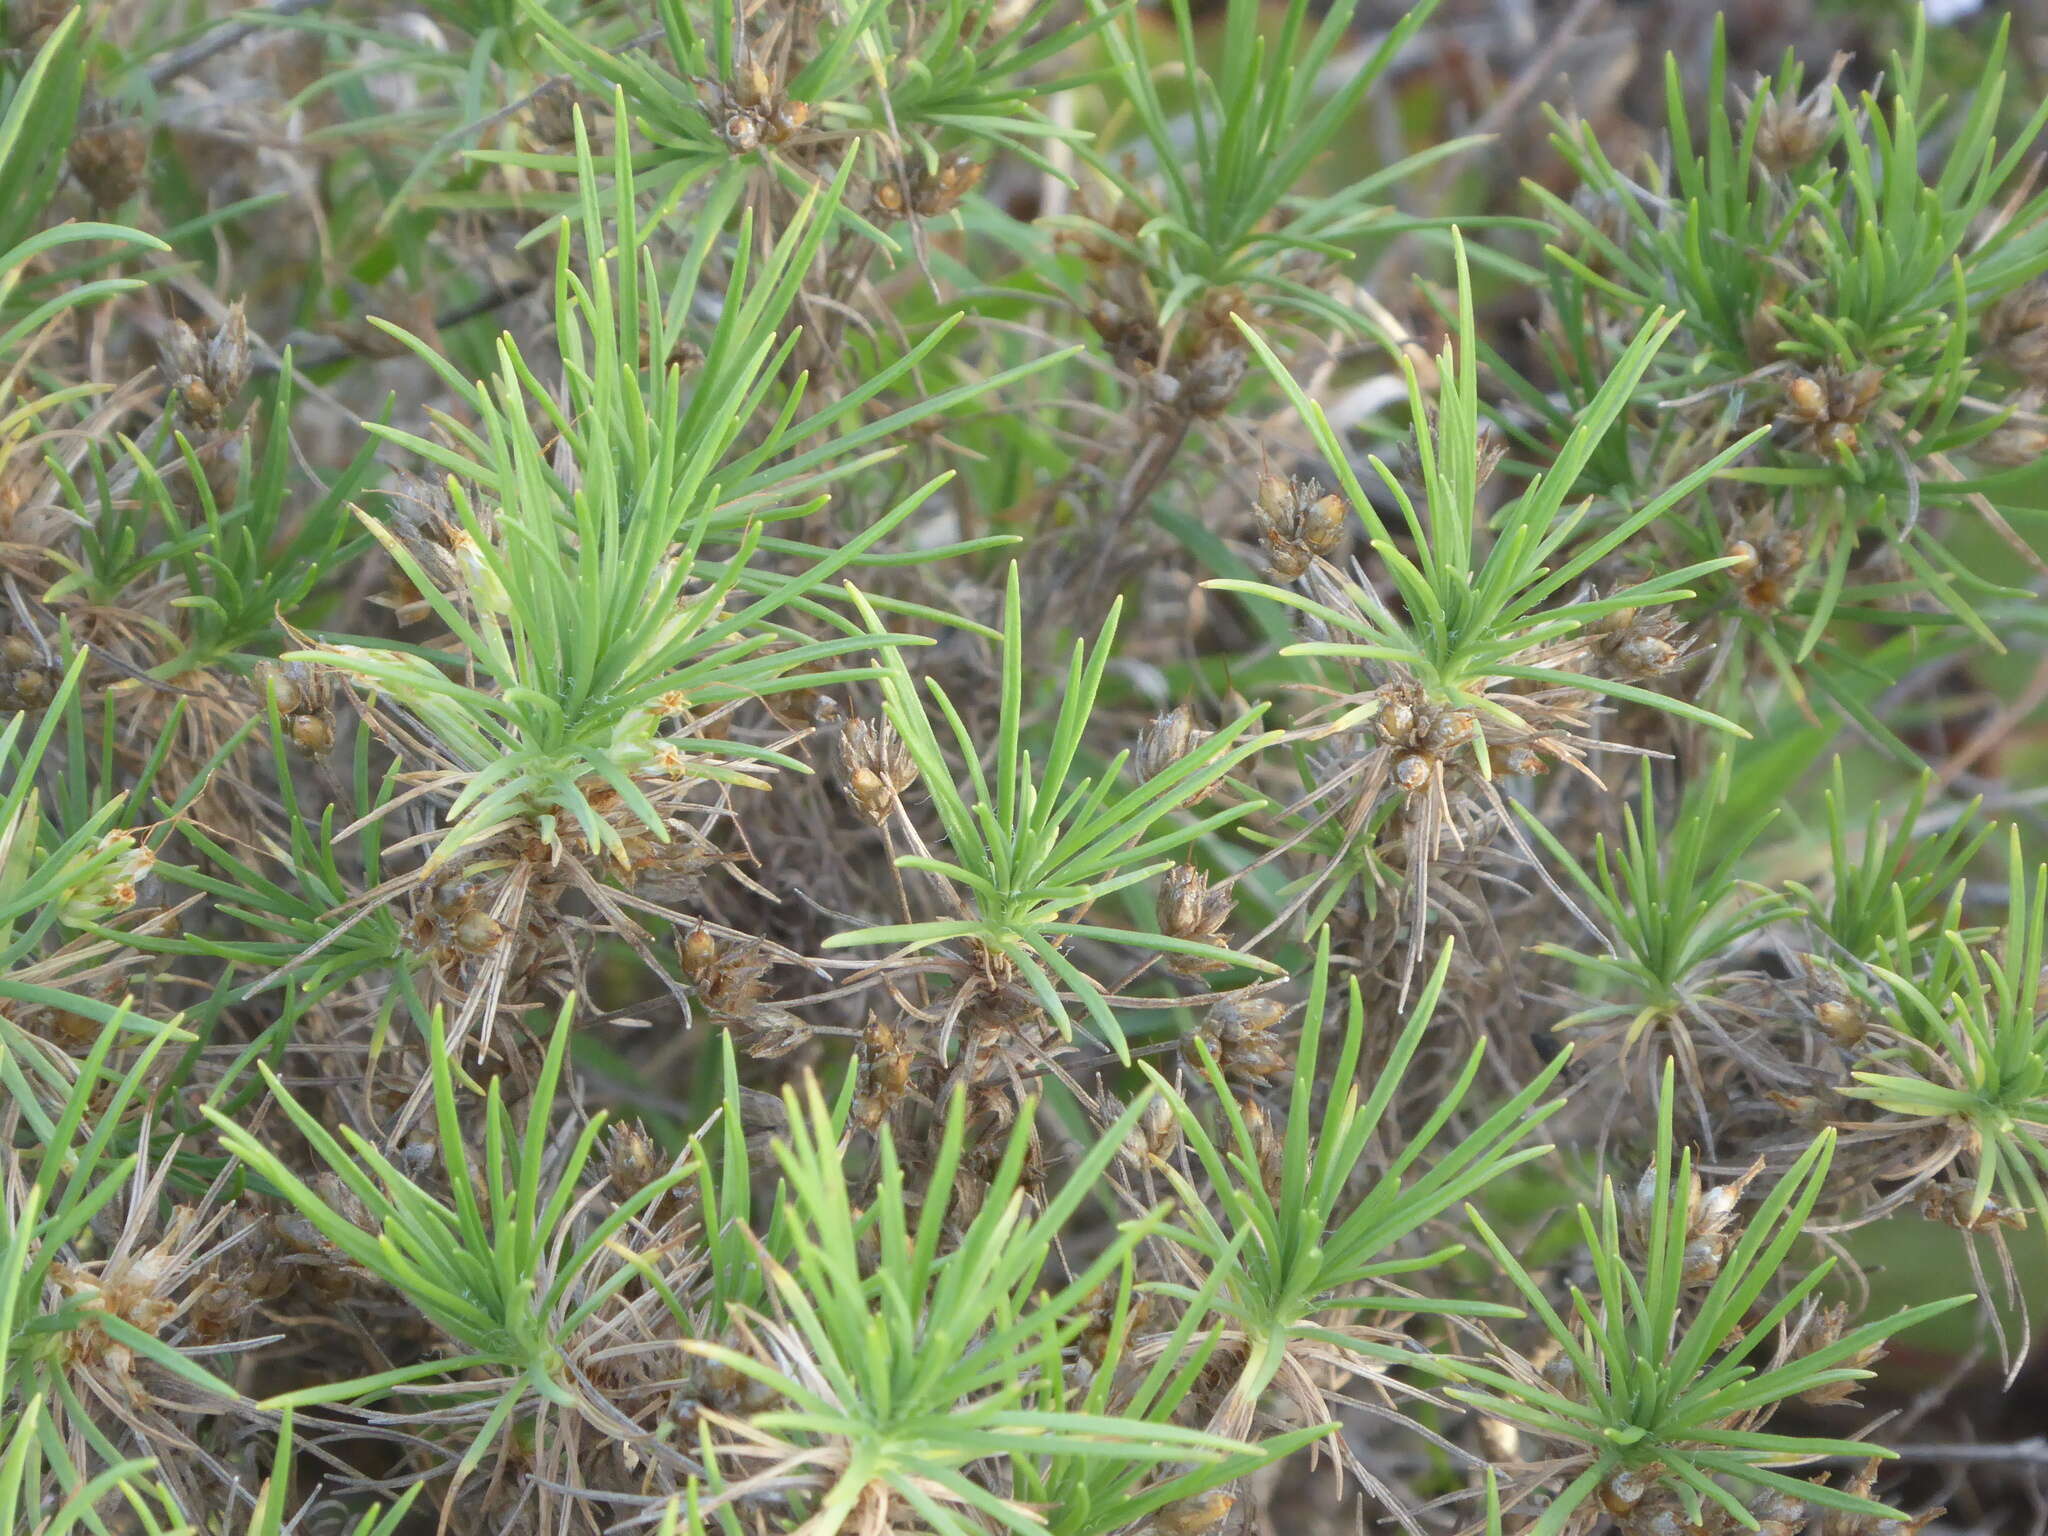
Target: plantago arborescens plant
[(1309, 1235), (572, 685), (1231, 216), (1969, 1066), (1212, 218), (1673, 915), (1664, 1389), (1485, 600), (47, 271), (496, 1264), (1853, 274), (900, 1352), (87, 1349), (1033, 846), (69, 866), (1487, 662), (242, 556), (287, 908), (603, 566), (915, 92)]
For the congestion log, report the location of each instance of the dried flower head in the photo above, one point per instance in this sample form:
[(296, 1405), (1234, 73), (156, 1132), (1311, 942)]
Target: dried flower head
[(1189, 909), (876, 767), (1300, 523), (1788, 131), (109, 153)]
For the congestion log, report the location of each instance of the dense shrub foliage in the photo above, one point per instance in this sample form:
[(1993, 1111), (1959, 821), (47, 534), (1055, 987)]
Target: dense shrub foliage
[(1096, 767)]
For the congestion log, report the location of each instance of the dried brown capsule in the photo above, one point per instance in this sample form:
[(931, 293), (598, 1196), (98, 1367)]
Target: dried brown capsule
[(108, 154), (1394, 724), (1770, 562), (1846, 1026), (772, 1032), (1157, 1130), (1242, 1036), (1639, 644), (1849, 1523), (227, 353), (1189, 910), (938, 190), (1955, 1207), (877, 765), (800, 709), (207, 376), (1622, 1491), (1825, 412), (731, 980), (786, 121), (1212, 376), (287, 685), (1805, 398), (1132, 335), (1492, 449), (1647, 655), (552, 115), (1186, 907), (743, 132), (477, 932), (1323, 524), (2022, 440), (632, 1161), (888, 1056), (27, 688), (1450, 730), (699, 952), (1702, 1262), (870, 794), (1299, 522), (1779, 1514), (1561, 1375), (301, 694), (1712, 1227), (1269, 1147), (1273, 502), (1656, 1519), (312, 734), (1169, 738)]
